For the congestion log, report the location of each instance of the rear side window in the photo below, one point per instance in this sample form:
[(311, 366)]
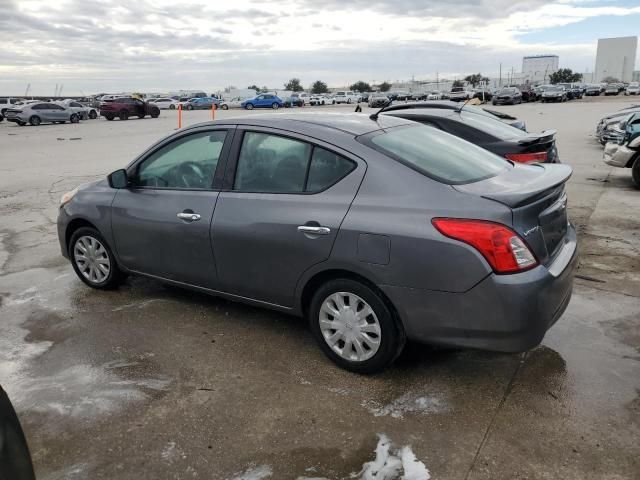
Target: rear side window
[(436, 154), (495, 128), (274, 164), (326, 169)]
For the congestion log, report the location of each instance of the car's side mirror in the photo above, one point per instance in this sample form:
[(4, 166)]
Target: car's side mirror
[(118, 179)]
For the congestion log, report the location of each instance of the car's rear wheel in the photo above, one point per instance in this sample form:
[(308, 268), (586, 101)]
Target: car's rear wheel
[(109, 117), (275, 106), (93, 114), (189, 107), (635, 172), (354, 326), (172, 107), (74, 118), (249, 106), (225, 107), (93, 260), (124, 115), (34, 120)]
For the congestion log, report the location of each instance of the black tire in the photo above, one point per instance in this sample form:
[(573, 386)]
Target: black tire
[(155, 113), (22, 124), (348, 100), (74, 118), (124, 115), (635, 172), (109, 117), (249, 106), (392, 336), (275, 105), (172, 107), (34, 120), (115, 276), (93, 115), (1, 118), (189, 107), (225, 107)]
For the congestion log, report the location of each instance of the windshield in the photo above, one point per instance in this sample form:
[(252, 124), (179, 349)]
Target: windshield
[(508, 90), (553, 89), (436, 154)]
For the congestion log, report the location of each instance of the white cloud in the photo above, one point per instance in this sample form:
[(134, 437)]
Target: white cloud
[(144, 45)]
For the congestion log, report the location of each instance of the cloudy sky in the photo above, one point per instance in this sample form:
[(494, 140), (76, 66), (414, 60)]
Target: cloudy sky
[(158, 45)]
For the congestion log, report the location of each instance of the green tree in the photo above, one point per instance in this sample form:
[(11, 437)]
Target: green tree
[(319, 87), (610, 79), (475, 79), (254, 87), (565, 75), (360, 86), (294, 85), (458, 83), (384, 86)]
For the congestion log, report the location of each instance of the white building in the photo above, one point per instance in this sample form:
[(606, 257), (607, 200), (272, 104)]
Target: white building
[(537, 68), (616, 58)]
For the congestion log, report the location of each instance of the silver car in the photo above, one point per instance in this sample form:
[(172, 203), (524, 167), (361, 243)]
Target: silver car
[(376, 229), (41, 112)]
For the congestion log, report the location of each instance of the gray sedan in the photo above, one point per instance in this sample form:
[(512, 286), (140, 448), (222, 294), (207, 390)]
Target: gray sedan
[(41, 112), (376, 229)]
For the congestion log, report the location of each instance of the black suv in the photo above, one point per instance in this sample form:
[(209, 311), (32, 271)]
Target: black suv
[(126, 107)]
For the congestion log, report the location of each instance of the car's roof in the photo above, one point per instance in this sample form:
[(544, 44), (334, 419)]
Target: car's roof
[(353, 123), (421, 112)]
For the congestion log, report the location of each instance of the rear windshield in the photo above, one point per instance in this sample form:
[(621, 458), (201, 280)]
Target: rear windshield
[(493, 127), (437, 154)]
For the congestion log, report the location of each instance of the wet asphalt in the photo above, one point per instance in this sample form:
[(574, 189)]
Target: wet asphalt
[(151, 381)]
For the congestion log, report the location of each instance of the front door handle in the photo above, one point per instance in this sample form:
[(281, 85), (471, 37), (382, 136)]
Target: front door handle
[(311, 230), (190, 217)]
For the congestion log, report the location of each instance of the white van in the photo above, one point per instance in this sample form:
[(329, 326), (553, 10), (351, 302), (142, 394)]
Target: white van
[(346, 97)]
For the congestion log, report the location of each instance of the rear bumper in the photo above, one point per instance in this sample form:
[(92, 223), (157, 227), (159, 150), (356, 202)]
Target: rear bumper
[(507, 313), (618, 155)]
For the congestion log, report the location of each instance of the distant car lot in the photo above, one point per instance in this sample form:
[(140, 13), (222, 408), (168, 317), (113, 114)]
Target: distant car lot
[(219, 374)]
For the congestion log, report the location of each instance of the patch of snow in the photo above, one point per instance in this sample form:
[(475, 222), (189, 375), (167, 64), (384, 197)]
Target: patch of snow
[(255, 473), (409, 403), (388, 465), (171, 452)]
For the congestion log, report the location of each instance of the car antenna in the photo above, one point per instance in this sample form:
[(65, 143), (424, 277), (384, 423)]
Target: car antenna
[(374, 116), (463, 105)]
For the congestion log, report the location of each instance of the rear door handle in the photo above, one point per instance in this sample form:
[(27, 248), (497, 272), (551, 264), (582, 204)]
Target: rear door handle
[(314, 230), (190, 217)]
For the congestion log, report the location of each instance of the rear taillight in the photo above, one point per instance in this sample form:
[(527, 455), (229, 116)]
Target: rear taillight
[(503, 248), (527, 157)]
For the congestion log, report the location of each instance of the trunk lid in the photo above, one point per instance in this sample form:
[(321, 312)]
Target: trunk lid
[(537, 198)]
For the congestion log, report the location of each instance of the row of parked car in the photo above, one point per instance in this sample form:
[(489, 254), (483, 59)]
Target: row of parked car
[(619, 132), (36, 112)]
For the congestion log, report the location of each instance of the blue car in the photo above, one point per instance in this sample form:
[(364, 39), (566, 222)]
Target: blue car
[(265, 100), (204, 103)]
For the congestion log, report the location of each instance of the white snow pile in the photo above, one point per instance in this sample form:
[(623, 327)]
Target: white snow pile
[(401, 465)]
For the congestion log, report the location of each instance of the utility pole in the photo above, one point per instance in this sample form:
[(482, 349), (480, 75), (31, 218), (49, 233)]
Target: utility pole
[(437, 81), (500, 74)]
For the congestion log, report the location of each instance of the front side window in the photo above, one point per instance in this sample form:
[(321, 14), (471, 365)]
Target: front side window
[(436, 154), (187, 162)]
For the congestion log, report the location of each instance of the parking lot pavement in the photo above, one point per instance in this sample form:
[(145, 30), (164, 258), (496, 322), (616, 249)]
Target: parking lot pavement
[(150, 381)]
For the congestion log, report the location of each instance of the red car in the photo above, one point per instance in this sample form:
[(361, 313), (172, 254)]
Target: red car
[(126, 107)]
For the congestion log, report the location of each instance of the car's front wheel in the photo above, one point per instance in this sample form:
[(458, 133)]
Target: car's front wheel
[(34, 120), (172, 107), (354, 326), (93, 260), (635, 172), (93, 114), (74, 118), (275, 106), (225, 107), (249, 106)]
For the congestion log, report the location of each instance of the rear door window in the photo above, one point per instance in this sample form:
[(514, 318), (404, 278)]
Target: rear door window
[(436, 154)]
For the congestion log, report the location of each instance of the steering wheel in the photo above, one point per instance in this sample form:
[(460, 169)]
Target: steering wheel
[(190, 175)]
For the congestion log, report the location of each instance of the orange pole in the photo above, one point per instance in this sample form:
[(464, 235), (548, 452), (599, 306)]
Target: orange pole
[(179, 116), (213, 111)]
